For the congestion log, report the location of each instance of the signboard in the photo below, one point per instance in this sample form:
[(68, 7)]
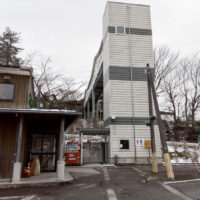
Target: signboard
[(147, 143), (199, 139), (139, 142)]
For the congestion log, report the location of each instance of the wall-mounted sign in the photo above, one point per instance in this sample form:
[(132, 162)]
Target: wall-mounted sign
[(139, 142), (147, 143)]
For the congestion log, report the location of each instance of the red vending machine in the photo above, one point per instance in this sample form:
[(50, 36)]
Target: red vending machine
[(73, 153)]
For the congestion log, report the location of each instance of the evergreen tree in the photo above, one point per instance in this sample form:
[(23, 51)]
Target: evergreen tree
[(8, 49)]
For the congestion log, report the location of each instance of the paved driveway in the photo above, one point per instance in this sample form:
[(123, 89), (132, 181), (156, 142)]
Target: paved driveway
[(99, 183)]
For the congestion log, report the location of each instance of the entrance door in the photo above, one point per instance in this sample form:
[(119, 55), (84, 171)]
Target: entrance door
[(93, 152), (44, 146)]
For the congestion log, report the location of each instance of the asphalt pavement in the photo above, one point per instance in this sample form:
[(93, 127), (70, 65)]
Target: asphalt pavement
[(104, 183)]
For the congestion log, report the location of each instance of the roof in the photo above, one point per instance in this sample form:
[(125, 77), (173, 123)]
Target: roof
[(24, 71), (40, 111), (136, 4), (69, 115), (95, 131)]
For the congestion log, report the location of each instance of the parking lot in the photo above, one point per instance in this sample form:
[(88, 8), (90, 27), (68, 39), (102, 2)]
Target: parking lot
[(128, 182)]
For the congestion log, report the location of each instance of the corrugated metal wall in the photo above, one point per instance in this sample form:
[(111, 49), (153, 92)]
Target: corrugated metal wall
[(125, 98)]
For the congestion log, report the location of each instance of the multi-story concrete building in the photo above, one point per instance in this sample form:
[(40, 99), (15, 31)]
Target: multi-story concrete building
[(118, 80)]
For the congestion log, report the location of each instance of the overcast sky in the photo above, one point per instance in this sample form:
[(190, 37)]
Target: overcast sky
[(70, 31)]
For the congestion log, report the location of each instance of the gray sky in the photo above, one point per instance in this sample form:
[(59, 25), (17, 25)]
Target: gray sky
[(70, 31)]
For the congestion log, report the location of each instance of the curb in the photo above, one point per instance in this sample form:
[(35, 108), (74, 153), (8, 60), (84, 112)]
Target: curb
[(41, 184)]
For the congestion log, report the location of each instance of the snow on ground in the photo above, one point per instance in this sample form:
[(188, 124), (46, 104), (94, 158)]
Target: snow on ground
[(180, 154)]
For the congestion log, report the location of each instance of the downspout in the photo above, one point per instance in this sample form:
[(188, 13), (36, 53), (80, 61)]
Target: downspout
[(132, 95)]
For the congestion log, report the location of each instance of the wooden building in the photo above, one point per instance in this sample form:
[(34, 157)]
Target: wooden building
[(26, 131)]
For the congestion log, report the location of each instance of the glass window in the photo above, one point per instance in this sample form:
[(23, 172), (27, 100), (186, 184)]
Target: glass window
[(120, 30), (48, 162), (36, 143), (124, 144), (49, 144), (6, 91)]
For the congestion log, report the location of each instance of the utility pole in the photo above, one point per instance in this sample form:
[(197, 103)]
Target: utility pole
[(151, 118), (169, 169)]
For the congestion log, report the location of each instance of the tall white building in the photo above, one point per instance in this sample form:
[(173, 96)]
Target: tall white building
[(118, 80)]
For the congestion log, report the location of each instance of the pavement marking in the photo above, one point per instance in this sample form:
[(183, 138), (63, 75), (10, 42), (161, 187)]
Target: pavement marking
[(176, 192), (80, 184), (28, 197), (88, 186), (17, 197), (139, 171), (106, 174), (11, 197), (111, 195), (185, 181)]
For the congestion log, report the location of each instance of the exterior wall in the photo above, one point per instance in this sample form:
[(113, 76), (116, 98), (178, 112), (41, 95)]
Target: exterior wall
[(128, 132), (20, 93), (106, 83), (127, 100), (8, 131), (8, 127), (125, 95)]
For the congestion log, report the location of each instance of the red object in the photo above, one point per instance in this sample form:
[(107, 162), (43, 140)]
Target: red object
[(27, 171), (73, 153)]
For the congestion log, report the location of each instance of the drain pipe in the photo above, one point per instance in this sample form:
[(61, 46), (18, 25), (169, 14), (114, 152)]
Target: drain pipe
[(132, 95)]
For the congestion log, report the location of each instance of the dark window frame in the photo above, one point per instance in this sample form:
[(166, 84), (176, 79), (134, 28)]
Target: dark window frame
[(8, 100), (125, 146), (117, 29)]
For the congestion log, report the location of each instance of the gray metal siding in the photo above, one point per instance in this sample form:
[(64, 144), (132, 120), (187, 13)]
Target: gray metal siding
[(120, 73), (134, 31), (126, 121), (124, 73)]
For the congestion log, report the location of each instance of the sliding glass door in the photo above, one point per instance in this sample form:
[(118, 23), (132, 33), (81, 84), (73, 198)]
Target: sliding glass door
[(44, 146)]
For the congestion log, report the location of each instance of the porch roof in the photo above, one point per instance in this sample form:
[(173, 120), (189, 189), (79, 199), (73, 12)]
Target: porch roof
[(69, 115), (95, 131), (40, 111)]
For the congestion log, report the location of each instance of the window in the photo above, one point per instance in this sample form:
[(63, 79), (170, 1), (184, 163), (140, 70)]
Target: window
[(124, 144), (120, 30), (6, 91)]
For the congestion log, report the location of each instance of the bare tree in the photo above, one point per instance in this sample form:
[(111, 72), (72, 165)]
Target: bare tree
[(171, 93), (53, 89), (194, 94), (165, 62), (184, 88)]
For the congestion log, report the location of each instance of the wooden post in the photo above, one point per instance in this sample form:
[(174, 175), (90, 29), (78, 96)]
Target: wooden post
[(60, 161), (153, 145), (17, 164), (166, 155)]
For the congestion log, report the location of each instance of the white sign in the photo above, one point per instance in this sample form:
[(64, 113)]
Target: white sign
[(139, 142)]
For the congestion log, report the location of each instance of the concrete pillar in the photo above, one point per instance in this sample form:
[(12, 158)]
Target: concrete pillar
[(60, 161), (93, 104), (81, 144), (97, 111), (88, 110), (84, 113), (16, 175)]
